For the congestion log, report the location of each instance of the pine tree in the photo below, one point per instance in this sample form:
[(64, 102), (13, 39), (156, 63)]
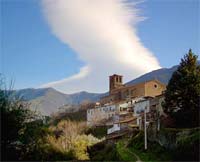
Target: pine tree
[(182, 97)]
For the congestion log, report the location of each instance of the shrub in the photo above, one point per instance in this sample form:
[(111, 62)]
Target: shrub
[(71, 138)]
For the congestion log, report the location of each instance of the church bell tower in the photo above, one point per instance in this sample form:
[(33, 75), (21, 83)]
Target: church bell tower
[(115, 81)]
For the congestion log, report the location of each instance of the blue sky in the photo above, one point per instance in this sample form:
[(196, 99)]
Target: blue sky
[(32, 55)]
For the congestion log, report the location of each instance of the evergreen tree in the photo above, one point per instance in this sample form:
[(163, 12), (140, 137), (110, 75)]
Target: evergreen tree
[(182, 97)]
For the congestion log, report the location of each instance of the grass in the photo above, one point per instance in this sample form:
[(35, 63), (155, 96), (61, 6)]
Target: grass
[(150, 155), (124, 152)]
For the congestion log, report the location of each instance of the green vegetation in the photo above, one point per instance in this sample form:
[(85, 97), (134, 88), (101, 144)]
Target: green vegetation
[(154, 152), (104, 152), (183, 93), (98, 131), (124, 153), (188, 147), (26, 135), (186, 143), (23, 133), (70, 137), (73, 116)]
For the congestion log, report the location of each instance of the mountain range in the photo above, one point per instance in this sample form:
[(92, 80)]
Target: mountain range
[(49, 100)]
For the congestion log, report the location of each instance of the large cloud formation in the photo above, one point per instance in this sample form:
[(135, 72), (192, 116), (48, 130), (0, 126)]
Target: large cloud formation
[(103, 34)]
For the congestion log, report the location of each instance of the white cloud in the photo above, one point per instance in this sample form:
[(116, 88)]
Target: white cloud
[(84, 71), (103, 34)]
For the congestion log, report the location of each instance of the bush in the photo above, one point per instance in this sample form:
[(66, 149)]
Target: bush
[(103, 152), (99, 132), (154, 152), (71, 138), (188, 148)]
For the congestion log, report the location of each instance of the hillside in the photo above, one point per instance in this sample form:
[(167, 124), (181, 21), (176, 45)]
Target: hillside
[(48, 100), (163, 75)]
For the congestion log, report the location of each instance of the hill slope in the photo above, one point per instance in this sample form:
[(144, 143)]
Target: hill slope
[(48, 100), (163, 75)]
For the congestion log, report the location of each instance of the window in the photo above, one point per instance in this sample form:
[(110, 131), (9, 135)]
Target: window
[(120, 79), (155, 86), (131, 92), (127, 92)]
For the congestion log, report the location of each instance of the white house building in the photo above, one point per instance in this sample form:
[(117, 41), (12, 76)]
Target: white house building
[(110, 114), (140, 106), (96, 115)]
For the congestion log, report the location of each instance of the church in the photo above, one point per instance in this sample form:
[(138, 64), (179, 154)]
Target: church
[(121, 92)]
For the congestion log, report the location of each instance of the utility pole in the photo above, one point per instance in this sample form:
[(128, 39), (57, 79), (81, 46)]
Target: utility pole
[(158, 128), (145, 130)]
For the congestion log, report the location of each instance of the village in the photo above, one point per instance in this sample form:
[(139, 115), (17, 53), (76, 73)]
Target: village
[(100, 80), (128, 106), (137, 121)]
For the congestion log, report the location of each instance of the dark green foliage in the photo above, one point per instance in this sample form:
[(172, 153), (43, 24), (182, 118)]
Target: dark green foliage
[(186, 145), (13, 120), (99, 131), (182, 97), (103, 152), (44, 151), (155, 152), (73, 116), (23, 133), (137, 141), (124, 152), (188, 148)]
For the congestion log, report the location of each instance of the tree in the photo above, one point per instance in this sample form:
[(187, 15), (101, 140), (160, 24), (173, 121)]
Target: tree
[(23, 133), (182, 97), (13, 119)]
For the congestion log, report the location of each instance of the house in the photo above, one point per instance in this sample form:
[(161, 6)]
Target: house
[(156, 106), (124, 117), (100, 114), (123, 125), (154, 110), (106, 114), (156, 103)]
